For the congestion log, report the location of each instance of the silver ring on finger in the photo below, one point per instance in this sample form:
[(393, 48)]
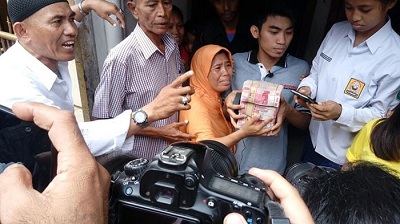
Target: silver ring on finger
[(185, 100)]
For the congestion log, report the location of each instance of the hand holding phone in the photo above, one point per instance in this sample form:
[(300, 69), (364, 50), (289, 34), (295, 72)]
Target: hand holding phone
[(236, 101), (303, 96)]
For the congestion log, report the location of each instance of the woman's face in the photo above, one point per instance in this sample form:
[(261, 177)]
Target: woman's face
[(366, 16), (176, 28), (221, 72)]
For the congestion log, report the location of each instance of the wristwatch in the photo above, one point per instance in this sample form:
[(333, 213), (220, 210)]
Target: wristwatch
[(140, 118)]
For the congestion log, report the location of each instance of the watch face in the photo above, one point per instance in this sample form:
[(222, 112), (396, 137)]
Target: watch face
[(140, 117)]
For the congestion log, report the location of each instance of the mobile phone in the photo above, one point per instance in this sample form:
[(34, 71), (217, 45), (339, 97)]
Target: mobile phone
[(236, 101), (24, 142), (304, 97)]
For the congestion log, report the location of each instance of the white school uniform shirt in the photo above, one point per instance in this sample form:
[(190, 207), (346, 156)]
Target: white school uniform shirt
[(25, 78), (364, 79)]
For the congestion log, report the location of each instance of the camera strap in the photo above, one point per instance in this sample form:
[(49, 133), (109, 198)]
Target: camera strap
[(275, 213)]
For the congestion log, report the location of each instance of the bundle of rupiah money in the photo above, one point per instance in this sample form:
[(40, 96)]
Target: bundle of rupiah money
[(259, 97)]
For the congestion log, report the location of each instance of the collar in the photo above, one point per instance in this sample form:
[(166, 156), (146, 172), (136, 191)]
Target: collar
[(252, 58), (216, 28), (377, 39), (43, 74), (148, 47)]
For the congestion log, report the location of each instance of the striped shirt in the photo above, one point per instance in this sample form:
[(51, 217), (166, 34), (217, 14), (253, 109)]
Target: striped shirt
[(133, 74)]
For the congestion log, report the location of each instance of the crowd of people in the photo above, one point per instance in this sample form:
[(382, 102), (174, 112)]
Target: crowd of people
[(169, 82)]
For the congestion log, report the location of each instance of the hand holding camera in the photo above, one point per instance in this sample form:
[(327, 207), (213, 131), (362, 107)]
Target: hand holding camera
[(80, 187), (191, 182)]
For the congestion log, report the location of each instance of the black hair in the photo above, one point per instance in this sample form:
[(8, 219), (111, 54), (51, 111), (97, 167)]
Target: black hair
[(365, 193), (177, 11), (385, 137), (275, 8), (223, 51)]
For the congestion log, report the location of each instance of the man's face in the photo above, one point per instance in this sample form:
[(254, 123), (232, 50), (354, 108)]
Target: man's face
[(366, 16), (275, 36), (152, 15), (227, 10), (51, 33)]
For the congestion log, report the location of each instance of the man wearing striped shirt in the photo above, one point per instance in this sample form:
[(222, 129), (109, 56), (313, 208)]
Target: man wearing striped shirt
[(136, 70)]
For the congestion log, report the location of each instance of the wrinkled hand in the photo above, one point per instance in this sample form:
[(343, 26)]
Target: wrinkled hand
[(171, 132), (104, 9), (169, 100), (327, 110), (251, 129), (293, 205), (230, 108), (79, 191), (306, 91)]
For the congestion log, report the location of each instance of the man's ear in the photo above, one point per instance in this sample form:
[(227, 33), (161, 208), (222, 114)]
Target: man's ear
[(20, 30), (391, 5), (254, 31), (132, 8)]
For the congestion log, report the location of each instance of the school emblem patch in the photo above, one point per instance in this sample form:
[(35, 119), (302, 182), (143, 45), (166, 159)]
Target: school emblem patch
[(354, 88)]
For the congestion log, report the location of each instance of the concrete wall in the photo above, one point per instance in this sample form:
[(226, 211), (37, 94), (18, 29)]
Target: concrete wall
[(317, 29)]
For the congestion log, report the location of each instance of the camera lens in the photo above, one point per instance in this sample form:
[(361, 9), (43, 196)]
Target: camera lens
[(220, 159), (301, 174), (298, 170)]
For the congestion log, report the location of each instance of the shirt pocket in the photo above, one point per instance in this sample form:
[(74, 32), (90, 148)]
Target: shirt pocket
[(354, 88)]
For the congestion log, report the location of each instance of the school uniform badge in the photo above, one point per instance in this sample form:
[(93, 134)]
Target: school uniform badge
[(354, 88)]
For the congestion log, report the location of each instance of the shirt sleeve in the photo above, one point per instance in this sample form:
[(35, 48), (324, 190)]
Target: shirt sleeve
[(110, 93), (199, 122), (105, 136)]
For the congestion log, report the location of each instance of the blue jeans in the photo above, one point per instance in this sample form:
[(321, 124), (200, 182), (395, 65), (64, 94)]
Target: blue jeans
[(310, 155)]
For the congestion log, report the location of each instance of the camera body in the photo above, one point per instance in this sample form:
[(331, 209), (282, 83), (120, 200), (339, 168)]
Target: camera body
[(187, 182)]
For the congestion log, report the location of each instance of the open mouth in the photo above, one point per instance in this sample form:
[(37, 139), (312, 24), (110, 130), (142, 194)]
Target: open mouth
[(69, 44)]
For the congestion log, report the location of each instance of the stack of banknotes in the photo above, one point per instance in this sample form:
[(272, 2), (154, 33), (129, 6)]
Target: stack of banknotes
[(261, 98)]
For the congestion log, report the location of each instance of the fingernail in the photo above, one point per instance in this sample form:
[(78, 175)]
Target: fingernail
[(114, 24), (186, 121)]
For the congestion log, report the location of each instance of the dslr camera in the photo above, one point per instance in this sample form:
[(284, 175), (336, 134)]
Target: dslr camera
[(189, 183)]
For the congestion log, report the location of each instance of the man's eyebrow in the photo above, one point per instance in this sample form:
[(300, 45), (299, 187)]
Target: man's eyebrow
[(279, 28), (61, 16), (274, 27)]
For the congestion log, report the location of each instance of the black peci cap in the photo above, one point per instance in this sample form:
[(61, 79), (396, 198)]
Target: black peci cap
[(19, 10)]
